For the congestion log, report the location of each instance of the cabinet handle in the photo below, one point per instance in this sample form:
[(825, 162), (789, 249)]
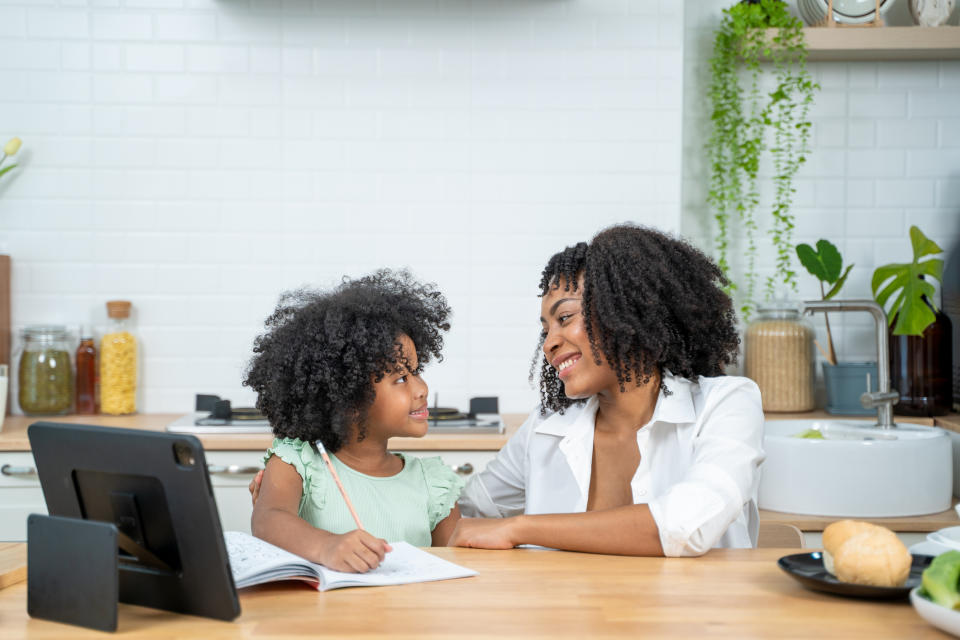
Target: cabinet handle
[(464, 469), (10, 470), (231, 470)]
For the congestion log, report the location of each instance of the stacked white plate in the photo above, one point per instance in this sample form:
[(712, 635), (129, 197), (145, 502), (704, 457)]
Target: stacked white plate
[(814, 12), (938, 542)]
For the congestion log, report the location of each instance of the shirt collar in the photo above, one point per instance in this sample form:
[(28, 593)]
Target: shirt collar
[(573, 421), (676, 408)]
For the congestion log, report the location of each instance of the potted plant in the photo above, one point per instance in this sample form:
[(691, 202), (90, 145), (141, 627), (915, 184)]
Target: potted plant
[(745, 122), (844, 381), (920, 334)]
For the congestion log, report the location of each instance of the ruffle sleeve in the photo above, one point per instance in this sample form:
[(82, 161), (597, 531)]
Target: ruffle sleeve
[(443, 489), (302, 457)]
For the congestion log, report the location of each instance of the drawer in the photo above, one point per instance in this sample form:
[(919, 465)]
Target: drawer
[(465, 463)]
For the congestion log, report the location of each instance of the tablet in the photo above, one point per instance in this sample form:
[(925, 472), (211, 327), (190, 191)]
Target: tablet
[(155, 489)]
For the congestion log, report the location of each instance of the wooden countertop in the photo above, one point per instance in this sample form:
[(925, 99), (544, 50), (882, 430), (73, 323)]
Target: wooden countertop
[(729, 593), (13, 437)]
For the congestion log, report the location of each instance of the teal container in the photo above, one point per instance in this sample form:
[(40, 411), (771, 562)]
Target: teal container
[(845, 383)]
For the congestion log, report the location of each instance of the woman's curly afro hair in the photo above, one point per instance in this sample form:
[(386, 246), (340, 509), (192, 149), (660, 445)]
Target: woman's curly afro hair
[(650, 302), (315, 366)]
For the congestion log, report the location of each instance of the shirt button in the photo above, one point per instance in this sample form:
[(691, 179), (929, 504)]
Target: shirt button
[(642, 492)]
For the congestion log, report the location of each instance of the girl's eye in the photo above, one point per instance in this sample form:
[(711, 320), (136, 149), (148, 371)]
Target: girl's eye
[(401, 379)]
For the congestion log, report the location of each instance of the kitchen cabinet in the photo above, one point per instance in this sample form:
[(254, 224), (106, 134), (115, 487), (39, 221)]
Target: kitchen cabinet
[(232, 462), (230, 475)]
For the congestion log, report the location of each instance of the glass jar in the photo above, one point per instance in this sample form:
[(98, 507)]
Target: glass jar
[(86, 359), (921, 368), (780, 358), (45, 375), (118, 362)]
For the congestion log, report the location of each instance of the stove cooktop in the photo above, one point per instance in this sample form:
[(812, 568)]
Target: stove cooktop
[(214, 415)]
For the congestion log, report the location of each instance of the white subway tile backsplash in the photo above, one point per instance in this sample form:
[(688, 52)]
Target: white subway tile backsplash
[(115, 25), (939, 103), (58, 23)]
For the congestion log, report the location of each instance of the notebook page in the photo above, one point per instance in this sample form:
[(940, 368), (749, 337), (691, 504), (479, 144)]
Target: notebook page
[(250, 556), (405, 564)]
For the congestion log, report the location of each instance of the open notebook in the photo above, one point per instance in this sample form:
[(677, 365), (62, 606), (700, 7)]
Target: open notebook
[(254, 561)]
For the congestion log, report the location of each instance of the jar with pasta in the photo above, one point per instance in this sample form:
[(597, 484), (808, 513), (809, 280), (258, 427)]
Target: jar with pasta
[(118, 362), (45, 374), (780, 358)]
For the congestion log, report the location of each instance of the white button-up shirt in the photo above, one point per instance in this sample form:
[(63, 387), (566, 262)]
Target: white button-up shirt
[(699, 468)]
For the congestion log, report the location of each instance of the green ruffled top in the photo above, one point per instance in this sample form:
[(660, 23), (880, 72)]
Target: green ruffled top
[(406, 506)]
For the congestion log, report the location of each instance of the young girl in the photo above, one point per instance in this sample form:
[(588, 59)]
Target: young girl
[(343, 367)]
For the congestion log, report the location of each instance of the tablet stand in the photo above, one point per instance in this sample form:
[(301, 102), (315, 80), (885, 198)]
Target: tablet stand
[(72, 573), (72, 570)]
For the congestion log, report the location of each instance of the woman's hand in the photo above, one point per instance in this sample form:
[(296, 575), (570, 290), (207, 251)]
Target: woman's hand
[(486, 533), (354, 552), (255, 486)]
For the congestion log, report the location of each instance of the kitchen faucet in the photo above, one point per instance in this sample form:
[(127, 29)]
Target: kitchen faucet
[(883, 398)]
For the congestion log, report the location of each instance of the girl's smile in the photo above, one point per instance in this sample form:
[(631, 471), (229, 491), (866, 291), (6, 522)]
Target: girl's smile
[(420, 414)]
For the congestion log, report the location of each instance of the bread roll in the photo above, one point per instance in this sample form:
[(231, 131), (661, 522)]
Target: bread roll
[(865, 553), (873, 558), (835, 534)]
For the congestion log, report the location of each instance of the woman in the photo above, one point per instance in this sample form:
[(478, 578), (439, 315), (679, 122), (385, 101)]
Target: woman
[(640, 446)]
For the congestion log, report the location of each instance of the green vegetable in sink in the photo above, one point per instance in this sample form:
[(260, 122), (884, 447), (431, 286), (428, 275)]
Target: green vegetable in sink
[(810, 434), (940, 580)]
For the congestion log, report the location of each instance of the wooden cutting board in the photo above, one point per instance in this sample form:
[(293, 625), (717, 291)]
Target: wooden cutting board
[(13, 563)]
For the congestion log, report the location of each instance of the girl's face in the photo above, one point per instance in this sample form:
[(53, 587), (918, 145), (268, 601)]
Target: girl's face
[(567, 347), (400, 405)]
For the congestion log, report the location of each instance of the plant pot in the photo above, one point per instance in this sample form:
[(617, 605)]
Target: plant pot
[(845, 383)]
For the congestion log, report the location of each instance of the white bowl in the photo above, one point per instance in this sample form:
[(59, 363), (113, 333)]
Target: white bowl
[(942, 618)]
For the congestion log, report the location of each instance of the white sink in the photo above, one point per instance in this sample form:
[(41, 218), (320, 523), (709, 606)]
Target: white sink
[(856, 470)]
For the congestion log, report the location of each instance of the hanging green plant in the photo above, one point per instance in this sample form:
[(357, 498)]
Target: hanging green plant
[(747, 121)]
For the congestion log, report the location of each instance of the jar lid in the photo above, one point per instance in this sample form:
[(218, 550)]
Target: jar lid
[(118, 308), (779, 309), (50, 331)]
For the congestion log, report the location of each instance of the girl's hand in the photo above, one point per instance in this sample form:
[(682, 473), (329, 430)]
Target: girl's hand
[(354, 552), (485, 533), (255, 486)]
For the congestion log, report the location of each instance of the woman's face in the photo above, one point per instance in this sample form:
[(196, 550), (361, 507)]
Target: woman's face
[(567, 347)]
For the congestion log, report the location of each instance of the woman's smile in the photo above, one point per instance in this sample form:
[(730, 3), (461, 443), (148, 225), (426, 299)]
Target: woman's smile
[(564, 363)]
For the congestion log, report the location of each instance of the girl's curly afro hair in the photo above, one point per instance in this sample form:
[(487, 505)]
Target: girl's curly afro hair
[(650, 302), (315, 367)]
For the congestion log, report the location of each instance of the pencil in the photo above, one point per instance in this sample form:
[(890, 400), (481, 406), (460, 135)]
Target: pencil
[(336, 478)]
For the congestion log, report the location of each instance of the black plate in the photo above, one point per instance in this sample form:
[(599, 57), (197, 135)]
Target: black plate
[(807, 569)]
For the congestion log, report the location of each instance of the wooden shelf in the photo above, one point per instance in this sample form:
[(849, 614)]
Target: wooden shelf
[(882, 43)]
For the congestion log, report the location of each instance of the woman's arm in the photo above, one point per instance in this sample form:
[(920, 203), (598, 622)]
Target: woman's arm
[(628, 530), (444, 529), (276, 520)]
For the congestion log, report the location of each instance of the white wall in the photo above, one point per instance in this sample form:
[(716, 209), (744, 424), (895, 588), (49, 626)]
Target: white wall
[(198, 157), (885, 156)]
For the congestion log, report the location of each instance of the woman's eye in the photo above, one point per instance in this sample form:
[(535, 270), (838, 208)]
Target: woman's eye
[(563, 319), (401, 379)]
